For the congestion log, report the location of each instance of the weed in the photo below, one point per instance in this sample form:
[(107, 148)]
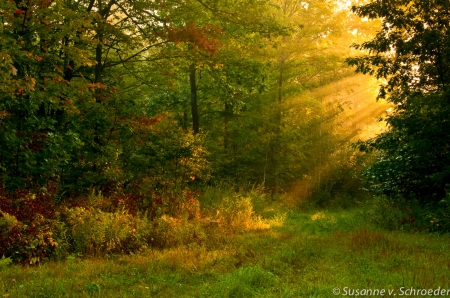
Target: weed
[(92, 288), (5, 262)]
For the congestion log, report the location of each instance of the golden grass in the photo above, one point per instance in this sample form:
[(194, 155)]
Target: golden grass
[(306, 256)]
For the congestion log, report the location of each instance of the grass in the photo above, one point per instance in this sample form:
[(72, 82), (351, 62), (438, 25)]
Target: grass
[(308, 255)]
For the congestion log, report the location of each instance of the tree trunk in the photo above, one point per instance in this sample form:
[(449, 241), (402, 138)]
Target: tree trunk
[(194, 105), (277, 153)]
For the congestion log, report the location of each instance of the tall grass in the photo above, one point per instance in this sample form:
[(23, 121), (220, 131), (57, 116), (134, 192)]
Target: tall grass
[(240, 252)]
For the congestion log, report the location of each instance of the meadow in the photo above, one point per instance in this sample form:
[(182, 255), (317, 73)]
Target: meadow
[(268, 249)]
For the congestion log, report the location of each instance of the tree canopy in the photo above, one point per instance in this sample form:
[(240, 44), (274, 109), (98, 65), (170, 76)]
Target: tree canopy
[(141, 96), (411, 53)]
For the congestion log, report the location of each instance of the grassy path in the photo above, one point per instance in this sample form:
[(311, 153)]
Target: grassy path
[(309, 256)]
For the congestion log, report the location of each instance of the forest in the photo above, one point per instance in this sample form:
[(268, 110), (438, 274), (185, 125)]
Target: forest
[(212, 148)]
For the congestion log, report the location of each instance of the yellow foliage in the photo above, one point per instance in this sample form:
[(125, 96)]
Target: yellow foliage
[(95, 231), (318, 215), (8, 221), (238, 215)]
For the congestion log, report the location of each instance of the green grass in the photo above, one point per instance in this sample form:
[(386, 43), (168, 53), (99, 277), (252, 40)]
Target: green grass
[(308, 256)]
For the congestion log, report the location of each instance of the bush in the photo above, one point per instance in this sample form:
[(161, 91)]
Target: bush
[(98, 225), (5, 262), (93, 231), (388, 213), (170, 232), (400, 214), (27, 223), (437, 218), (29, 243)]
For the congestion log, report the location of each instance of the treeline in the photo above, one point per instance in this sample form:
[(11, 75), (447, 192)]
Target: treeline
[(137, 95), (411, 54)]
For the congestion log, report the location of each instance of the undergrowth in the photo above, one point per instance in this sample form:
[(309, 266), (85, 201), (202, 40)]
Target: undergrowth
[(308, 255), (96, 227), (222, 243)]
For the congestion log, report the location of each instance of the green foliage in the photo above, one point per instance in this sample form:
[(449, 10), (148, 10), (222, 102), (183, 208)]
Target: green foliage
[(94, 96), (412, 53), (412, 159), (5, 262), (66, 117), (438, 216), (39, 111), (408, 215), (95, 152), (387, 213)]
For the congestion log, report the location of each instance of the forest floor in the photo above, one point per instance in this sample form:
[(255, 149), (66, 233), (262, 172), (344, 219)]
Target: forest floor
[(312, 254)]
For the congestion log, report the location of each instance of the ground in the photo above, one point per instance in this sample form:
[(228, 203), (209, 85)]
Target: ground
[(314, 253)]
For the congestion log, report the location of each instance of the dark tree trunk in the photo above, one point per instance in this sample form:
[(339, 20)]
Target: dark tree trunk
[(194, 105)]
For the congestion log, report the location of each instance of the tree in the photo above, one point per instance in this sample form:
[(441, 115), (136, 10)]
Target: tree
[(37, 96), (69, 97), (299, 59), (411, 53), (209, 31)]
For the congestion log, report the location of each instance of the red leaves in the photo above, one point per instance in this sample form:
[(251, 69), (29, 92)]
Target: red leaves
[(18, 12), (25, 205), (30, 239), (150, 121), (43, 3), (38, 140), (94, 86), (144, 124), (205, 37)]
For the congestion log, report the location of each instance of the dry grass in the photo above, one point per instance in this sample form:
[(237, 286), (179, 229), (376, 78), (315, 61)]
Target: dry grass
[(306, 256)]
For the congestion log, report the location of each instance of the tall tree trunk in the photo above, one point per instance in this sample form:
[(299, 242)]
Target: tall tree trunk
[(98, 58), (194, 105), (277, 153)]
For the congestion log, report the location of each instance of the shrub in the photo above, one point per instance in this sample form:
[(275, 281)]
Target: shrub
[(4, 262), (169, 232), (237, 215), (399, 214), (387, 213), (27, 221), (437, 218), (93, 231), (29, 243)]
